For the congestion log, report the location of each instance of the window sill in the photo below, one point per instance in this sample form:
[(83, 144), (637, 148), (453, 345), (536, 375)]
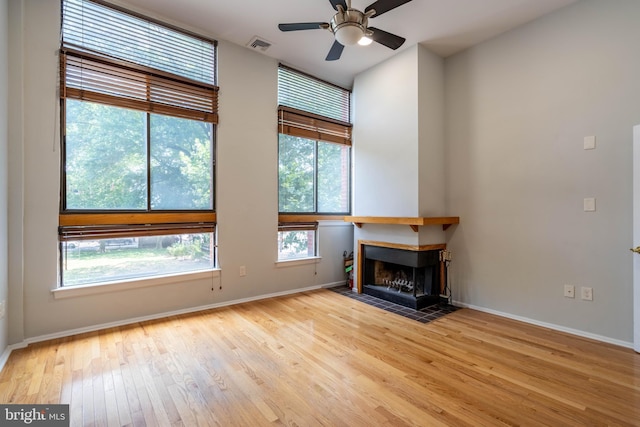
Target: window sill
[(301, 261), (99, 288)]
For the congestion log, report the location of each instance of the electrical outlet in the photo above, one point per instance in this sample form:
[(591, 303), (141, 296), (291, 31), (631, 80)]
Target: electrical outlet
[(243, 271), (589, 204), (586, 293), (569, 291), (589, 142)]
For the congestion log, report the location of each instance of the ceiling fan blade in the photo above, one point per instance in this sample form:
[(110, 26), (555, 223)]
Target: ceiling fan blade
[(389, 40), (383, 6), (335, 4), (303, 26), (334, 52)]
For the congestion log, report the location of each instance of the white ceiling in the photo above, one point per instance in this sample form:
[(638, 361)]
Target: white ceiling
[(443, 26)]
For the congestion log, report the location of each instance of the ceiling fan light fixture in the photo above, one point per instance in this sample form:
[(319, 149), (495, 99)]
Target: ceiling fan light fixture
[(349, 34), (365, 41)]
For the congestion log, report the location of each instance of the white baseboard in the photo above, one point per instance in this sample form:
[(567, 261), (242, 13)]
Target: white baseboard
[(5, 356), (7, 352), (334, 284), (552, 326)]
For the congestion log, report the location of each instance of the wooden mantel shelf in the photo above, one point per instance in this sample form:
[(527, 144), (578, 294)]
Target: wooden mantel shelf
[(413, 222)]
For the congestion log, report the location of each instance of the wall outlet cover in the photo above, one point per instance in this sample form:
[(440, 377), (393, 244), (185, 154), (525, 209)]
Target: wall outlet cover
[(569, 291), (589, 142), (590, 204)]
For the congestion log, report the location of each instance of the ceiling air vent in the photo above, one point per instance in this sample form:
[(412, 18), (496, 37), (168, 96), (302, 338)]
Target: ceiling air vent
[(259, 43)]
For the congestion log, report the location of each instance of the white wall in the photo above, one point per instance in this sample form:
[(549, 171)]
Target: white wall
[(246, 196), (15, 311), (4, 153), (430, 122), (399, 146), (399, 137), (431, 143), (517, 110), (386, 157), (15, 170)]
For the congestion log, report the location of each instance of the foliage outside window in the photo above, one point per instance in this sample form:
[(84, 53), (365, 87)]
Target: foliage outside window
[(139, 108), (117, 259), (314, 158), (296, 244)]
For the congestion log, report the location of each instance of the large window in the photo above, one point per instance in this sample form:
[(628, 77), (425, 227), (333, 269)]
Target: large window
[(314, 159), (139, 109)]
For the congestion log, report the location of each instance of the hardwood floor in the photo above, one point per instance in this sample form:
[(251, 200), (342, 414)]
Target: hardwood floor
[(319, 358)]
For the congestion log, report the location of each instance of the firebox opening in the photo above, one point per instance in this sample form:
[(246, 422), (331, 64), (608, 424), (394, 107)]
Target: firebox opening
[(405, 277)]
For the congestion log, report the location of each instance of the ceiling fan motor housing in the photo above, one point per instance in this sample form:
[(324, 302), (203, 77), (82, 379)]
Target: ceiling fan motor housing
[(350, 25)]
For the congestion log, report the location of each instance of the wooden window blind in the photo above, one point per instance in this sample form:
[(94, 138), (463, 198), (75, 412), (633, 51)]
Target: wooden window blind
[(312, 108), (308, 125), (297, 226), (118, 58), (93, 232), (90, 78)]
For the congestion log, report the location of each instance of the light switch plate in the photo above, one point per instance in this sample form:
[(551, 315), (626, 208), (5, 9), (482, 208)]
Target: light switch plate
[(589, 142), (590, 204)]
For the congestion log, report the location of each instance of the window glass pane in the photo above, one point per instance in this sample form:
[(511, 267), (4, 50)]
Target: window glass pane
[(105, 157), (296, 244), (296, 174), (333, 177), (181, 163), (109, 260)]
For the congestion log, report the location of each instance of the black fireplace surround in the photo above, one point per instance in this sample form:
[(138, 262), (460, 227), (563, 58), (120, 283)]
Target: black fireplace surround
[(406, 277)]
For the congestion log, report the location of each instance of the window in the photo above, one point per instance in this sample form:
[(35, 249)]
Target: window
[(314, 159), (296, 241), (139, 109)]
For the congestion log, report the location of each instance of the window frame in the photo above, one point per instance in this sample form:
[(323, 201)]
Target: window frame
[(173, 89), (316, 128), (310, 226), (69, 217), (295, 216)]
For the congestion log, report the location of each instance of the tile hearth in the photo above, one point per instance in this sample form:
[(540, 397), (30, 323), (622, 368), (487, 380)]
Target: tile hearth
[(424, 315)]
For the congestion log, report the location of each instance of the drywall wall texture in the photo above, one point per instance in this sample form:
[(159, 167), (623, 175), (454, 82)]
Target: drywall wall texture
[(246, 197), (517, 110), (15, 302), (399, 136), (399, 146), (386, 168), (4, 154)]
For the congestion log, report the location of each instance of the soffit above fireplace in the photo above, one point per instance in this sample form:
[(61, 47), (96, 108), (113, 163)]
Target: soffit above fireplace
[(413, 222)]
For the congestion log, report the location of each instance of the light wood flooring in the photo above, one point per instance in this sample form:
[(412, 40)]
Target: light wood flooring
[(319, 358)]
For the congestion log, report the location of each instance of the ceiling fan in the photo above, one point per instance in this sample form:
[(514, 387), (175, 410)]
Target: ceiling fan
[(350, 26)]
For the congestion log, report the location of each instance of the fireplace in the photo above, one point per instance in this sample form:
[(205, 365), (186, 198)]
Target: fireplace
[(407, 276)]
